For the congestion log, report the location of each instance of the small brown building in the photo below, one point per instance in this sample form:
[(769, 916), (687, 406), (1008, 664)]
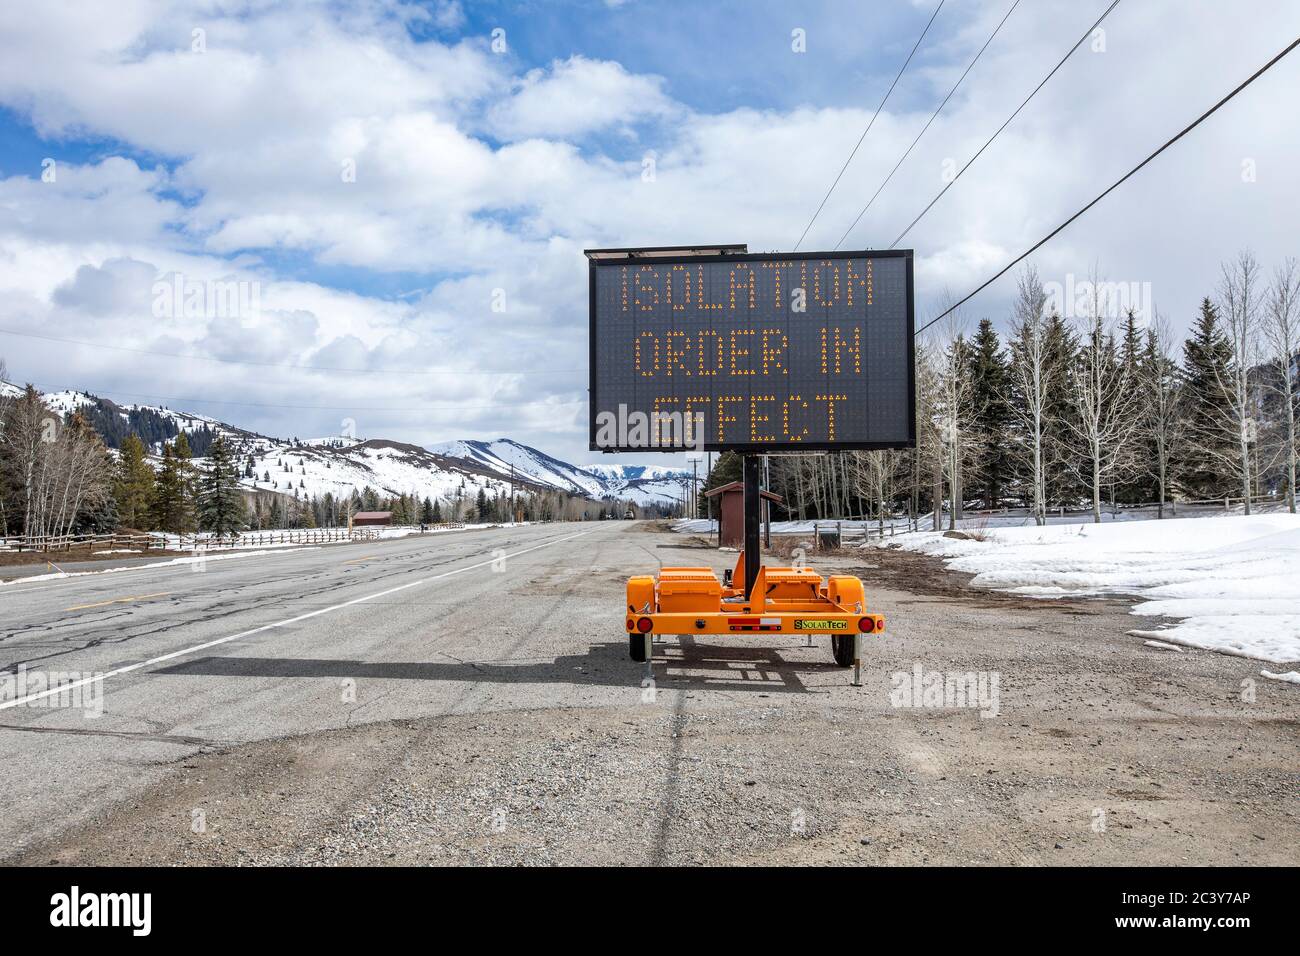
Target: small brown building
[(363, 518), (731, 529)]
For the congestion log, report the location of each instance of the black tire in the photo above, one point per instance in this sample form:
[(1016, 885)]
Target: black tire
[(636, 646), (842, 648)]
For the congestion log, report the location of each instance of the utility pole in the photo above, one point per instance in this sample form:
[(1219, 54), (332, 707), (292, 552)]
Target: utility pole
[(767, 486), (695, 477)]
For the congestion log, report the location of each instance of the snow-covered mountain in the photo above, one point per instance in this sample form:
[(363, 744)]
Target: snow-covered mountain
[(505, 457), (636, 472), (449, 470), (644, 484)]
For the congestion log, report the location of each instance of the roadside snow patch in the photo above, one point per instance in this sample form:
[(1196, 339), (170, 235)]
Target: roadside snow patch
[(1233, 581)]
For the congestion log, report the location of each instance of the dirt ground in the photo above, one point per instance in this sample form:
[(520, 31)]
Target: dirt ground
[(1102, 751), (77, 555)]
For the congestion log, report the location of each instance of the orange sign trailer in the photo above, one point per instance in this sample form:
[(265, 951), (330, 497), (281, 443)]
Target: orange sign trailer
[(755, 599), (768, 600)]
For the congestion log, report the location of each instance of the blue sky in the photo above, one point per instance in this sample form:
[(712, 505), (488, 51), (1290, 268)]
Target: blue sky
[(478, 178)]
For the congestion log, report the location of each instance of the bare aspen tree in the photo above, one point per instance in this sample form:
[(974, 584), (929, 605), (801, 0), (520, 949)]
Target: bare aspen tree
[(54, 471), (953, 406), (29, 422), (1239, 295), (1282, 333), (878, 474), (929, 438), (1030, 380), (1162, 421), (1103, 400)]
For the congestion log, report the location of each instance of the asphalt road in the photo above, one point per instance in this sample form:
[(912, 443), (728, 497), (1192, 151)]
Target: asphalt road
[(467, 697), (262, 646)]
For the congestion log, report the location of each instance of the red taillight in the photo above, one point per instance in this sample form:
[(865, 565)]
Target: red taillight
[(631, 624), (866, 624), (644, 625)]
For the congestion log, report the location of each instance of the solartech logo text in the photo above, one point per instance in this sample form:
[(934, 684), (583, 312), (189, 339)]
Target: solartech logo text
[(103, 909)]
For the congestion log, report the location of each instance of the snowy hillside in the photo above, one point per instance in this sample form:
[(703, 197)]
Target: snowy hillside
[(501, 455), (635, 472), (391, 468), (644, 484), (337, 464)]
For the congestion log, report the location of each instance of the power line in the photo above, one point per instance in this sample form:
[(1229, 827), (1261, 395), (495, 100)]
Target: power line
[(971, 161), (1187, 129), (287, 365), (932, 118), (854, 152)]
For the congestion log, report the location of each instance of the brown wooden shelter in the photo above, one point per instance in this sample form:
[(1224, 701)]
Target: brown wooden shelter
[(731, 527)]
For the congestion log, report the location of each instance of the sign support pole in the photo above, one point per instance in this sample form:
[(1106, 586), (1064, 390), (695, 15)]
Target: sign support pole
[(751, 466)]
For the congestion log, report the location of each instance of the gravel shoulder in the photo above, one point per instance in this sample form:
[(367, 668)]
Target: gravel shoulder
[(1102, 752)]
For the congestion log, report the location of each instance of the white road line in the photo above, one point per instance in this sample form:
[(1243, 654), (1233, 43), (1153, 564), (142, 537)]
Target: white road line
[(171, 564), (63, 688)]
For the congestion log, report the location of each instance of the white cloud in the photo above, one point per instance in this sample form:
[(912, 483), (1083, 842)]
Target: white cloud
[(448, 14), (257, 128), (577, 96)]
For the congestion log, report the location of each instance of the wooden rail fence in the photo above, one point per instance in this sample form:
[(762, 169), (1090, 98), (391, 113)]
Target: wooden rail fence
[(191, 542)]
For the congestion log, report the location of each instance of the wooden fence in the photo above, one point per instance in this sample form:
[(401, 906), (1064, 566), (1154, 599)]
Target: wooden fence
[(844, 531), (93, 542), (98, 543)]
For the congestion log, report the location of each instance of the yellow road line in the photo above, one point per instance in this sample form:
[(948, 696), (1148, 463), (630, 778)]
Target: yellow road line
[(365, 558), (121, 600)]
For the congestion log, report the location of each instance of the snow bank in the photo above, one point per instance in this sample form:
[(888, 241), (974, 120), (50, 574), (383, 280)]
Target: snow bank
[(1232, 581)]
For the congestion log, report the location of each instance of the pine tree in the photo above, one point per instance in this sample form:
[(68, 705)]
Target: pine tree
[(726, 469), (172, 501), (482, 505), (185, 464), (990, 415), (134, 484), (99, 517), (1134, 356), (426, 512), (1061, 452), (220, 502), (437, 512), (1202, 461)]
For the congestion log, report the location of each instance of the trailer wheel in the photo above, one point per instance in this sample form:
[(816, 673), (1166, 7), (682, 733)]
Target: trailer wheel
[(636, 647), (842, 648)]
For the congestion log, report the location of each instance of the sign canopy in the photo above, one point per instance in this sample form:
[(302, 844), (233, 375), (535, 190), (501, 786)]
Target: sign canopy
[(714, 348)]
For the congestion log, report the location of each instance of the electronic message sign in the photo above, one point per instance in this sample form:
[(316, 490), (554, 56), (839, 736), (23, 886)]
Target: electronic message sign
[(751, 352)]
